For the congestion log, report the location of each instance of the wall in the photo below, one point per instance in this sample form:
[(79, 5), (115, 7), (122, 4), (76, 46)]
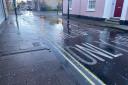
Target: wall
[(65, 6), (127, 15), (109, 8), (99, 8), (79, 7), (124, 10)]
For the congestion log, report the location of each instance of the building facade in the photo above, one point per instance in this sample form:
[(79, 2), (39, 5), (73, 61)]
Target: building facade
[(3, 11), (98, 9), (50, 4)]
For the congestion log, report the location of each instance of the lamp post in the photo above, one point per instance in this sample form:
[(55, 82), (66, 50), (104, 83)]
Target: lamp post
[(58, 8), (4, 9), (68, 17), (14, 4), (62, 6), (15, 10)]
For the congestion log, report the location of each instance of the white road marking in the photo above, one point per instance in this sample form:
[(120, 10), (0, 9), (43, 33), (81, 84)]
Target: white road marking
[(92, 62), (120, 43), (91, 49), (123, 39), (103, 42), (117, 55), (61, 50), (84, 49)]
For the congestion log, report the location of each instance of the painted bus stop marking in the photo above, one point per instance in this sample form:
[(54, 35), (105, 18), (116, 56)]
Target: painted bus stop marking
[(103, 42), (92, 62), (117, 55), (92, 52)]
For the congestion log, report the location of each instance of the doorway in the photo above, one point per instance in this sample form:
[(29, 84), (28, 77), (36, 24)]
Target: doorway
[(118, 8)]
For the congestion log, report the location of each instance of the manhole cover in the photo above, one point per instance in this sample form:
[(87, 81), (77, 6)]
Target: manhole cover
[(36, 44)]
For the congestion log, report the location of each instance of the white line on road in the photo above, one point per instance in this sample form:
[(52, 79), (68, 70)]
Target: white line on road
[(61, 50), (103, 42), (92, 62), (86, 50), (120, 43), (82, 73), (117, 55), (91, 49)]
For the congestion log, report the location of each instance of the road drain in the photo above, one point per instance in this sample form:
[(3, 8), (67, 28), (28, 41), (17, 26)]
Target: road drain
[(22, 51), (36, 44)]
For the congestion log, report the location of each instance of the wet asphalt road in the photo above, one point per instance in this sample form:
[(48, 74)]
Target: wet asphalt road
[(26, 57), (101, 50)]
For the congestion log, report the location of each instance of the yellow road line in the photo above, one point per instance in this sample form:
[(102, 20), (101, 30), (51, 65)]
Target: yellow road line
[(82, 73)]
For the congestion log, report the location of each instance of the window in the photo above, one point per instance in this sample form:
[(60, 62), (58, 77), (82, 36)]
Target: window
[(91, 5)]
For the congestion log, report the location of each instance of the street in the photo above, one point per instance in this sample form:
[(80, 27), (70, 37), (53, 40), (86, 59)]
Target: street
[(45, 50)]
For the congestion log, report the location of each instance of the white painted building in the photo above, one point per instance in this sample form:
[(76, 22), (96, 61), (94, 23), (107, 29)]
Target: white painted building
[(116, 9)]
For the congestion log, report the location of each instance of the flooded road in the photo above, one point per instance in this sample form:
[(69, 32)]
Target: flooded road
[(103, 52)]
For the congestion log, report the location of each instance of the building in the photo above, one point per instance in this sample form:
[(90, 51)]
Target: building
[(3, 11), (98, 9), (53, 3), (48, 4)]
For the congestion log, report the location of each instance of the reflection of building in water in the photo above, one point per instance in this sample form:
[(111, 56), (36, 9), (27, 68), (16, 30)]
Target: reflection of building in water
[(9, 4), (46, 4), (106, 36)]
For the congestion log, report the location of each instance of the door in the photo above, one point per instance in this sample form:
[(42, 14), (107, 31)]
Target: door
[(118, 8)]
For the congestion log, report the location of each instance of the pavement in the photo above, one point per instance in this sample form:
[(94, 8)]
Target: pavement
[(26, 58), (99, 23), (47, 50)]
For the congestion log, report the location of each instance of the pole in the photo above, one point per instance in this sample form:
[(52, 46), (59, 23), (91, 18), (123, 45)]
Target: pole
[(68, 17), (15, 10), (58, 9), (4, 10), (68, 11), (62, 6)]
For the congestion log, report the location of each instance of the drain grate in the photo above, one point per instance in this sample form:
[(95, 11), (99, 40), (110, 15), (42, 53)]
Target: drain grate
[(36, 44)]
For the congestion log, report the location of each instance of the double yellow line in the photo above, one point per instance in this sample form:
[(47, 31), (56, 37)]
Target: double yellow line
[(61, 50)]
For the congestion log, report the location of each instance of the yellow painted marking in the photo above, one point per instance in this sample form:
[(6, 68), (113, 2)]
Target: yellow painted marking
[(82, 73)]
